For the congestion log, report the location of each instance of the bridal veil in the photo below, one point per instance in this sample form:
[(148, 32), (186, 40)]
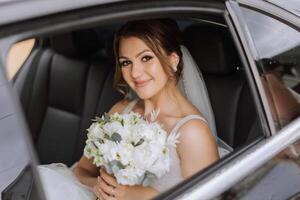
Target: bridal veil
[(192, 85)]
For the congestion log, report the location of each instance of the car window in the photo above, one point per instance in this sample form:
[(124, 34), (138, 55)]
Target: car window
[(17, 55), (67, 81), (278, 57)]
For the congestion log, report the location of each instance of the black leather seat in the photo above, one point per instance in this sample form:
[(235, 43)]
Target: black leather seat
[(62, 87), (232, 102)]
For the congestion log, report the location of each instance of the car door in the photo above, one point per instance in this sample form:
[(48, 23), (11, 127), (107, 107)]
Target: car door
[(230, 170), (28, 28), (282, 139), (17, 171)]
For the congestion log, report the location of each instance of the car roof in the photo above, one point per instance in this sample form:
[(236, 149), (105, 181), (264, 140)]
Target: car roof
[(32, 8), (29, 9), (290, 5)]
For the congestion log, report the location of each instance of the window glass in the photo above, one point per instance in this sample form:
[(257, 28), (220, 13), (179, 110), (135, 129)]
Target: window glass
[(278, 55), (17, 56)]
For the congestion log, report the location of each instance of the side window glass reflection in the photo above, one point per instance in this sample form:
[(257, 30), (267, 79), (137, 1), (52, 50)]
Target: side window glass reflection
[(278, 55)]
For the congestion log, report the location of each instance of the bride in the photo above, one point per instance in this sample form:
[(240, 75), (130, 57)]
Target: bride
[(149, 63)]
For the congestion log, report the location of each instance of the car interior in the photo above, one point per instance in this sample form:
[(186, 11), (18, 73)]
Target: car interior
[(67, 80)]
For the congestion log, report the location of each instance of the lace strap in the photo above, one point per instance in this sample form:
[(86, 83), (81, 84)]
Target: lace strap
[(130, 106), (186, 119)]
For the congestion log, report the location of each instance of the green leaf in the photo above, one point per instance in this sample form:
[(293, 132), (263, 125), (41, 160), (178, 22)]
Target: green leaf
[(106, 136), (115, 169), (116, 137), (106, 117), (139, 142), (117, 163), (150, 174), (146, 182)]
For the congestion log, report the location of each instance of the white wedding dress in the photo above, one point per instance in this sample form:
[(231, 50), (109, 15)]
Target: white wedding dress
[(59, 182)]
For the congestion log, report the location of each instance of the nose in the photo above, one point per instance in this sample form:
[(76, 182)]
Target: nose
[(136, 70)]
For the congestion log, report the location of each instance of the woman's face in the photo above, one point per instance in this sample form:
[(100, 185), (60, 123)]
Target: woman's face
[(141, 68)]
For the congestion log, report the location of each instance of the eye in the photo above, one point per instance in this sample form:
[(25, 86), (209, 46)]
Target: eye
[(146, 58), (125, 63)]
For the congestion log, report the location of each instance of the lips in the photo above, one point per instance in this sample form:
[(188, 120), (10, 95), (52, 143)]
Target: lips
[(141, 83)]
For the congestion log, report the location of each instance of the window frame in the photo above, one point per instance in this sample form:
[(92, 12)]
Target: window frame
[(275, 12), (34, 27)]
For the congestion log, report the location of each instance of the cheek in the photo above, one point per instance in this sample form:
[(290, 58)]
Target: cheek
[(125, 73), (153, 67), (127, 77), (157, 71)]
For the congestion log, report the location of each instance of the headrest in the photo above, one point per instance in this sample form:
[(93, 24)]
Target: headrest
[(109, 47), (212, 48), (77, 43)]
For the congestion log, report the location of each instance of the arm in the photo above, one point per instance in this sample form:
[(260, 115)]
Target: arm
[(85, 170), (197, 148)]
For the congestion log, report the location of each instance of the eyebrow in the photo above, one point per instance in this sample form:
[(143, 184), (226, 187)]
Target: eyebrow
[(137, 55)]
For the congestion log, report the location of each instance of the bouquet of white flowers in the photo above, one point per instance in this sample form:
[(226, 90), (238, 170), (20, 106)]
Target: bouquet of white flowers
[(129, 147)]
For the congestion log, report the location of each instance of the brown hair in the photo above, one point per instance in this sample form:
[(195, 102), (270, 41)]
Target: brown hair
[(162, 36)]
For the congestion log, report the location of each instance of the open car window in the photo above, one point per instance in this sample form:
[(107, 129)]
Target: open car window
[(67, 80)]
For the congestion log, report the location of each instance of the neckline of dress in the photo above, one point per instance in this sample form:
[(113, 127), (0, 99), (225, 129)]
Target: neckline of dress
[(178, 124)]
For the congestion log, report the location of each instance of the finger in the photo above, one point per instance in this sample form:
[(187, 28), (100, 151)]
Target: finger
[(103, 195), (108, 178), (110, 190), (106, 196), (97, 193)]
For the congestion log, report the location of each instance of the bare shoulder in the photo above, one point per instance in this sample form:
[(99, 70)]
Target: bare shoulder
[(196, 138), (197, 147), (196, 132), (195, 128), (119, 106)]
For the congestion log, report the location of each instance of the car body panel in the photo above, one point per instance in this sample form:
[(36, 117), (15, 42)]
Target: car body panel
[(244, 163), (16, 151), (205, 186), (276, 179), (290, 6), (33, 9)]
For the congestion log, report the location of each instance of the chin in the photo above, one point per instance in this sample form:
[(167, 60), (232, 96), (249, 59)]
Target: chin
[(145, 95)]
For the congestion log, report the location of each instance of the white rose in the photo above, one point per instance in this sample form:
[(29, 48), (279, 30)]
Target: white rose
[(127, 119), (134, 135), (126, 151), (90, 151), (95, 131), (114, 127), (106, 149), (160, 166), (160, 135), (121, 152), (146, 154)]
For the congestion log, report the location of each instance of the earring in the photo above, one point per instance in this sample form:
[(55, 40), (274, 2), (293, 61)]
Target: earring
[(174, 67)]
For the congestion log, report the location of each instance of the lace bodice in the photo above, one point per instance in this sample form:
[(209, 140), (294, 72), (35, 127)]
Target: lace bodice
[(174, 176)]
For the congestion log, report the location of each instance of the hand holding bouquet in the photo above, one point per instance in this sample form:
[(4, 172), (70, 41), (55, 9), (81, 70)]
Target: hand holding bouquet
[(129, 147)]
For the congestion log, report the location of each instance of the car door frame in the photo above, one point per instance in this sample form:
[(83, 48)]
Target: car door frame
[(14, 30), (212, 179), (261, 152)]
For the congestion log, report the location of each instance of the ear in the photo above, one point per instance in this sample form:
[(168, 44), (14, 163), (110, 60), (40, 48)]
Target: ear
[(174, 59)]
